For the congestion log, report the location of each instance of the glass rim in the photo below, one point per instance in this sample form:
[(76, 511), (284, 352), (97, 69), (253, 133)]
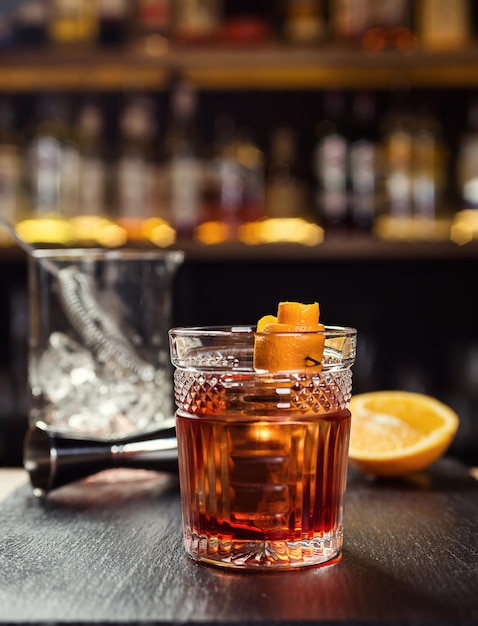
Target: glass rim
[(245, 330), (107, 254)]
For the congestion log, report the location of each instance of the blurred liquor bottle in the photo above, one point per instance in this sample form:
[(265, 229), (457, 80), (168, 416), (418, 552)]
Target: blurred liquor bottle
[(10, 164), (43, 171), (363, 163), (92, 160), (114, 21), (330, 164), (70, 160), (222, 191), (349, 20), (304, 22), (184, 168), (153, 21), (94, 222), (31, 19), (397, 144), (285, 186), (7, 29), (135, 172), (73, 22), (443, 24), (251, 162), (428, 169), (245, 22), (467, 159), (197, 21), (92, 192), (390, 25)]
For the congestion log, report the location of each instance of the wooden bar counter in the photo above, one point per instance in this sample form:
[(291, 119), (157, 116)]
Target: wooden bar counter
[(110, 552)]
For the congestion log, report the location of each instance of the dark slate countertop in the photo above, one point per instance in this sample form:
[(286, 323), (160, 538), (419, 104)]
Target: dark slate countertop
[(111, 553)]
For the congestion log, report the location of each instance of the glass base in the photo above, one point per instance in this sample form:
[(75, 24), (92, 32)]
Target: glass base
[(266, 555)]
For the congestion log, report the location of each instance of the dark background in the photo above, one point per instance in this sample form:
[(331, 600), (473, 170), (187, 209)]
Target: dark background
[(416, 320)]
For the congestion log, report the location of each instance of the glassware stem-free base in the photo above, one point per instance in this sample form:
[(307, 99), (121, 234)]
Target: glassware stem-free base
[(264, 554)]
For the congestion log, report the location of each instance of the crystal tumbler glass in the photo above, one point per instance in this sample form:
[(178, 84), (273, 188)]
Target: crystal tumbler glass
[(262, 455)]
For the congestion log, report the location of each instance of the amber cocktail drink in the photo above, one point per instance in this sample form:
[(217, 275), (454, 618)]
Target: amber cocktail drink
[(262, 455)]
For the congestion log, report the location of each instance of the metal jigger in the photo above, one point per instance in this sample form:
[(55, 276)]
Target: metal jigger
[(53, 459)]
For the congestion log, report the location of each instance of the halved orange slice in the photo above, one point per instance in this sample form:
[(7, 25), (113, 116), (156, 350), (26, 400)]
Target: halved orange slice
[(395, 433)]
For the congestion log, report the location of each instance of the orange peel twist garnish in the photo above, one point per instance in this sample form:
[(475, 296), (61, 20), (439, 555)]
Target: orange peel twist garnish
[(291, 341)]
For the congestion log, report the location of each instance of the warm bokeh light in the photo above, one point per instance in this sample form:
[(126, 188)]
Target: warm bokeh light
[(159, 232), (156, 46), (465, 227), (212, 232), (98, 230), (133, 226), (277, 230), (412, 228), (49, 230)]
